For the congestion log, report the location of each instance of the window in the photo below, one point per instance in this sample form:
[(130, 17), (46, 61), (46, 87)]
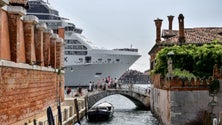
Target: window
[(100, 60), (88, 59), (72, 42), (117, 60), (75, 52), (98, 74), (80, 59), (108, 60)]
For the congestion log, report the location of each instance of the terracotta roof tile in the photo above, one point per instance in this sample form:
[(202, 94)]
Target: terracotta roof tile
[(194, 35)]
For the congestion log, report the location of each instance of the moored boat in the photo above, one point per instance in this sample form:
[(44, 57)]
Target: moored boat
[(100, 112)]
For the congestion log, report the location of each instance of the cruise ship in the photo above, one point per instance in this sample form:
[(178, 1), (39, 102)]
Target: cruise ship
[(83, 61)]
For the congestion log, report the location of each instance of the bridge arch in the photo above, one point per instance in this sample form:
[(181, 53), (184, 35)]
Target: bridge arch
[(139, 99)]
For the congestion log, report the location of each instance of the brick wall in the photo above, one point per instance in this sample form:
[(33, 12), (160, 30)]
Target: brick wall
[(25, 92), (176, 83)]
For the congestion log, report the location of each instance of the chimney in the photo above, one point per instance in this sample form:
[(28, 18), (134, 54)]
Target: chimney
[(170, 19), (158, 23), (181, 28)]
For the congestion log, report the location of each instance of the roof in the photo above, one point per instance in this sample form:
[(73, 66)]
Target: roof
[(201, 35), (194, 35)]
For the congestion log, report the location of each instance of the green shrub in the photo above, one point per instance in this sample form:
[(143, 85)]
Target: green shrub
[(198, 60)]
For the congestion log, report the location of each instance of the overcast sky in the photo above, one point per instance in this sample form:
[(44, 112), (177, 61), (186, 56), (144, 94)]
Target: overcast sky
[(119, 23)]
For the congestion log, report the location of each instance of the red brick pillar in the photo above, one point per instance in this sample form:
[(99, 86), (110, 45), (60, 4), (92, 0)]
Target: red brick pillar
[(158, 23), (46, 46), (53, 40), (59, 53), (29, 23), (14, 16), (40, 27), (61, 32), (5, 52)]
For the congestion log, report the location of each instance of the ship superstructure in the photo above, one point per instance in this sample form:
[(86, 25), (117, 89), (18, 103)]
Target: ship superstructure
[(84, 62)]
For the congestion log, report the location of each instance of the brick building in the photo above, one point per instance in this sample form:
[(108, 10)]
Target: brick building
[(172, 102), (170, 37)]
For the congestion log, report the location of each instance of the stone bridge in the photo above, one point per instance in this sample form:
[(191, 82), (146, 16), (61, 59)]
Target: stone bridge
[(138, 95)]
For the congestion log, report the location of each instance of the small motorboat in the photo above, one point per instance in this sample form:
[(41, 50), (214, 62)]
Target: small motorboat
[(100, 112)]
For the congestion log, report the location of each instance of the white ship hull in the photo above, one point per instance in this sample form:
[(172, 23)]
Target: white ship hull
[(81, 75)]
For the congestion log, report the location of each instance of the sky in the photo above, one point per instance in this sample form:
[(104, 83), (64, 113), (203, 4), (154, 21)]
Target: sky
[(121, 23)]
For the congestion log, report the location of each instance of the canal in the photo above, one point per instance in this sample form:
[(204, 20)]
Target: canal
[(125, 113)]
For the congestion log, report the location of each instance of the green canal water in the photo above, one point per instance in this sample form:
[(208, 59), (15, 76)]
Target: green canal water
[(125, 113)]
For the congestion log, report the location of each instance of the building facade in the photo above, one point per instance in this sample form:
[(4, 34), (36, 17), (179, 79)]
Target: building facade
[(180, 101)]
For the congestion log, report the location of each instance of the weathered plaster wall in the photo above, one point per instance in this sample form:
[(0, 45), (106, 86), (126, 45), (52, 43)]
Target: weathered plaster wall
[(185, 105), (160, 104), (180, 107)]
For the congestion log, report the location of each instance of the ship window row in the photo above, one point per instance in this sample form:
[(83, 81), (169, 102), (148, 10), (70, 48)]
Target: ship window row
[(72, 42), (79, 47), (68, 28), (108, 60), (80, 59), (53, 24), (75, 52)]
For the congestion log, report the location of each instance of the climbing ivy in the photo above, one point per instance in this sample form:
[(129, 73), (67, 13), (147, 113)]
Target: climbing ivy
[(195, 59), (214, 87)]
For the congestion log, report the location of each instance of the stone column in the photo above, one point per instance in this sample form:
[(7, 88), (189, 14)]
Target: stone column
[(14, 16), (40, 27), (46, 46), (170, 19), (59, 53), (181, 28), (53, 40), (158, 23), (29, 23)]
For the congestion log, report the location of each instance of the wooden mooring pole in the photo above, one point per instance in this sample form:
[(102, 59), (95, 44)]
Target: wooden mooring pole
[(77, 110)]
